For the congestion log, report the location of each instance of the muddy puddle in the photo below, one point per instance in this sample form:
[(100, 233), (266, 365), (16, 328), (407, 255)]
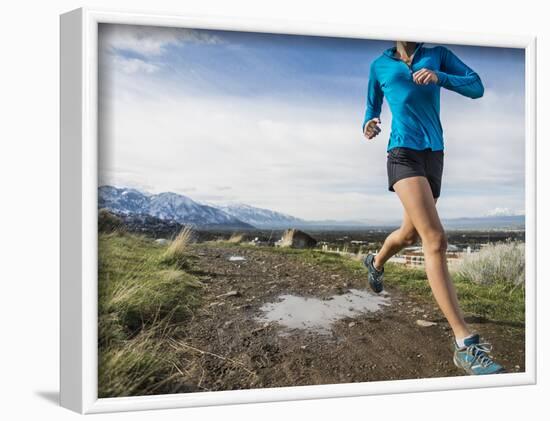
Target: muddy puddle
[(314, 314)]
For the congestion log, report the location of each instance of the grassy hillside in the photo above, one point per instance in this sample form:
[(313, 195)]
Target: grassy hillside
[(144, 298), (148, 295)]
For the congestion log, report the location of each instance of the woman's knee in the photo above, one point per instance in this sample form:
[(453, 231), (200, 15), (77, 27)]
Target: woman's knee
[(409, 237), (435, 241)]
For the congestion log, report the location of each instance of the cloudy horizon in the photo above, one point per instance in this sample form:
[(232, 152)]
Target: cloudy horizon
[(274, 121)]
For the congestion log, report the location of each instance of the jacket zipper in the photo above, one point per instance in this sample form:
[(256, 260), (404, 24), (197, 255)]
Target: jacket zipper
[(409, 67)]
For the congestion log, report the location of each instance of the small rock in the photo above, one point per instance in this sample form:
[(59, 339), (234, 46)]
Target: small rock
[(425, 323), (228, 323), (352, 324), (417, 310), (229, 294), (259, 329), (303, 347)]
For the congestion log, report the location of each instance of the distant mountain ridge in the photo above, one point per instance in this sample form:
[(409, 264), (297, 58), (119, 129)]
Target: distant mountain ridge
[(165, 206), (261, 218), (170, 206)]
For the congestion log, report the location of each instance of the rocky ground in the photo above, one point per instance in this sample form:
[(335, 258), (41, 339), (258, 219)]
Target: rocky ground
[(230, 346)]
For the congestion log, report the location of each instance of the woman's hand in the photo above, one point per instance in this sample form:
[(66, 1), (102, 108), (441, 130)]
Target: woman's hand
[(371, 128), (424, 76)]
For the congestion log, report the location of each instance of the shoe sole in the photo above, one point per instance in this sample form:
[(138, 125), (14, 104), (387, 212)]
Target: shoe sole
[(471, 373)]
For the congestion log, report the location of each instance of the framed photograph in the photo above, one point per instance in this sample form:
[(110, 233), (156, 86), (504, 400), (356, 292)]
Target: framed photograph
[(262, 211)]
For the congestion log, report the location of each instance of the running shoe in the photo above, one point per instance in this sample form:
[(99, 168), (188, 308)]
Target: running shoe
[(376, 277), (474, 357)]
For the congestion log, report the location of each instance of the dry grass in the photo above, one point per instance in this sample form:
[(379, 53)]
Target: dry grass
[(179, 245), (236, 238), (495, 264), (286, 239), (143, 301), (142, 365)]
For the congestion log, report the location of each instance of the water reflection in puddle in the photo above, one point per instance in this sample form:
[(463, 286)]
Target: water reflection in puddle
[(236, 259), (295, 312)]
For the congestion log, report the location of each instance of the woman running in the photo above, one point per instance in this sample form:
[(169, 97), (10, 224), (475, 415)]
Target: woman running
[(410, 76)]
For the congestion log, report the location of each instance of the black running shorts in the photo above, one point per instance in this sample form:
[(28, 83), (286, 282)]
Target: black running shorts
[(407, 162)]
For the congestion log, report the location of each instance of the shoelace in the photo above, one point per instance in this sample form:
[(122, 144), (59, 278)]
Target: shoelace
[(479, 352)]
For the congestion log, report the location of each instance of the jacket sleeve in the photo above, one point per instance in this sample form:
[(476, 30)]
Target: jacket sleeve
[(375, 97), (457, 76)]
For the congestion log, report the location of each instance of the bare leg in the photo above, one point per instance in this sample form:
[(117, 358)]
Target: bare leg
[(416, 196), (404, 236)]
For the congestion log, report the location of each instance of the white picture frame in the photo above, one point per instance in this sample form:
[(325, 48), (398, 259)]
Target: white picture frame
[(79, 183)]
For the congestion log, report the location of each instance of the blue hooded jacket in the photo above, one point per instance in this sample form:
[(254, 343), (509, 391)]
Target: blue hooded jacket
[(415, 108)]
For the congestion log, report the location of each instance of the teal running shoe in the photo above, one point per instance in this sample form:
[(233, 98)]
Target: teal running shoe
[(376, 277), (474, 357)]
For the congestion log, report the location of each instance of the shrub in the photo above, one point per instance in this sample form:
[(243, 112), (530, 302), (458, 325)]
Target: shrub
[(236, 238), (178, 246), (495, 263), (108, 222)]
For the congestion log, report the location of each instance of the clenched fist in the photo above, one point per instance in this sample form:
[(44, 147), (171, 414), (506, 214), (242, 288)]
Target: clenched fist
[(424, 76), (371, 128)]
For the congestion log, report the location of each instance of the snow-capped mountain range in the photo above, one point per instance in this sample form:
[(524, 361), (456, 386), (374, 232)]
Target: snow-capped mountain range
[(261, 218), (182, 209), (165, 206)]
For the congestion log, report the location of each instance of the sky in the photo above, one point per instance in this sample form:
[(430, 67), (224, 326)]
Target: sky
[(274, 121)]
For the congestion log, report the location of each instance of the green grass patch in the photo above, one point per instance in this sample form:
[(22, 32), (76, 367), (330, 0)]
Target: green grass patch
[(143, 298), (503, 302)]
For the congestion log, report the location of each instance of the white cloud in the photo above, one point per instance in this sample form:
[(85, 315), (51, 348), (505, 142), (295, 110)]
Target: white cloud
[(302, 159), (148, 40), (504, 212), (134, 65), (306, 159)]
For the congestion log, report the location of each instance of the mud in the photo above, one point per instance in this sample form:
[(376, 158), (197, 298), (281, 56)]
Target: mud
[(253, 328)]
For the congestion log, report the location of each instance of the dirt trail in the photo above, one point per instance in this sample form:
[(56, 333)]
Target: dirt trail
[(229, 348)]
